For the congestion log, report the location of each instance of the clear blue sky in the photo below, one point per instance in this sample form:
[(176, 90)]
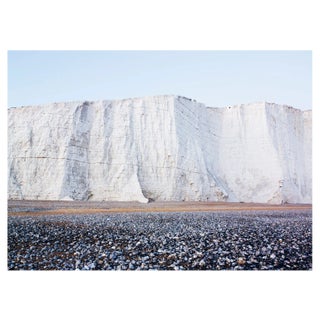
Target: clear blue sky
[(216, 78)]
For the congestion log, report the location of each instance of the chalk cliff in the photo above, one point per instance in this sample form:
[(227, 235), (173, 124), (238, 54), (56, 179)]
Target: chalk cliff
[(160, 148)]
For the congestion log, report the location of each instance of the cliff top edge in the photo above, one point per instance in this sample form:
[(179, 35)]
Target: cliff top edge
[(167, 96)]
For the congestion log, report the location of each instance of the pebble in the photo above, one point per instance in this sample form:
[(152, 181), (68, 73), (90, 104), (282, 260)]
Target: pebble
[(202, 263)]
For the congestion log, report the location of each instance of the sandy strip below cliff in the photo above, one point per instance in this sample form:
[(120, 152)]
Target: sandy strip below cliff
[(37, 207)]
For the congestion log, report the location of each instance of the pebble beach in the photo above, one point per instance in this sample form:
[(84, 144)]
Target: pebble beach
[(221, 240)]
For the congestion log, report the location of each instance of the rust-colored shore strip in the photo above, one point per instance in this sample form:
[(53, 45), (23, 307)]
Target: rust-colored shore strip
[(163, 208)]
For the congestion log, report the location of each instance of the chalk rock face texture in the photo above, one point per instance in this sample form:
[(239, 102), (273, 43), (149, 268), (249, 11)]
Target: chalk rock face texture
[(160, 148)]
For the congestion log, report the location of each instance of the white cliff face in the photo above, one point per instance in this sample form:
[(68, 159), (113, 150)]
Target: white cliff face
[(160, 148)]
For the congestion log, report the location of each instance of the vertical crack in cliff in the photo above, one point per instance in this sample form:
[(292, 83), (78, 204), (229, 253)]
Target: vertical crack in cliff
[(76, 173)]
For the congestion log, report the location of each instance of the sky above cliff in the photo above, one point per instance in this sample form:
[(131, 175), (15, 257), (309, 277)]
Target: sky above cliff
[(216, 78)]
